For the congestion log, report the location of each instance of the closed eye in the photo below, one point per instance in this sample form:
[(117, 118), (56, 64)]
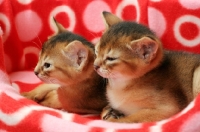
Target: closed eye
[(111, 58)]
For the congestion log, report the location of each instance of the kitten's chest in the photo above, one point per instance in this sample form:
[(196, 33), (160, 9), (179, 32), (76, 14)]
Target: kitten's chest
[(123, 101)]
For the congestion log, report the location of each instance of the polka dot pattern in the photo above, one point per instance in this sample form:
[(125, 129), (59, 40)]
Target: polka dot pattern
[(26, 24), (93, 21), (28, 27), (31, 24), (180, 37), (66, 10), (125, 3), (192, 4), (158, 26)]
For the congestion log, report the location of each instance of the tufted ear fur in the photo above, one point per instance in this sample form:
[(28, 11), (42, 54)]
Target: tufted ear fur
[(59, 26), (77, 53), (145, 48), (59, 29), (110, 19)]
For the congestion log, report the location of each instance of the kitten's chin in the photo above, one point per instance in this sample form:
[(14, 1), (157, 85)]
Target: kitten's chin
[(114, 76), (50, 80), (104, 75)]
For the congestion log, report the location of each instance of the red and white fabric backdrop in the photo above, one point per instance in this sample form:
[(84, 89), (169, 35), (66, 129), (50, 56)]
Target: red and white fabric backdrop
[(26, 24)]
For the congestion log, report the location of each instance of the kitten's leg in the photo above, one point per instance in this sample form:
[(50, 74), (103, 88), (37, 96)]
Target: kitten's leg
[(145, 115), (51, 100), (196, 82), (45, 94), (108, 112)]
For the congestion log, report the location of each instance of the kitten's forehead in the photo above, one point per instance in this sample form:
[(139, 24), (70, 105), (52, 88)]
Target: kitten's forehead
[(44, 56), (108, 44), (108, 50), (124, 32)]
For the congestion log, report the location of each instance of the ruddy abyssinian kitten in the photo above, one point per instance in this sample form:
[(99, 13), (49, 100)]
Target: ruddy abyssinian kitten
[(66, 60), (145, 82)]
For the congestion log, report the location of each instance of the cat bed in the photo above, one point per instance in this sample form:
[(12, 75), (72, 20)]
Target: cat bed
[(26, 24)]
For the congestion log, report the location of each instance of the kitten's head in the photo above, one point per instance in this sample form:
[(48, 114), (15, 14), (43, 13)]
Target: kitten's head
[(63, 58), (126, 49)]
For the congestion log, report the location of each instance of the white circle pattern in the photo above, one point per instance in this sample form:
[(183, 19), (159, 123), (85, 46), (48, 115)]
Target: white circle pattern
[(29, 50), (26, 29), (186, 18), (190, 4), (93, 21), (125, 3), (157, 26), (68, 11)]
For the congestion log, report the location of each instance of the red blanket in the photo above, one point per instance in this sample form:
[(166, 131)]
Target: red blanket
[(25, 25)]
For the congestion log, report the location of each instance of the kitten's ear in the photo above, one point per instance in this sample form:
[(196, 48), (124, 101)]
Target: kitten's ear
[(110, 19), (59, 28), (145, 48), (77, 53)]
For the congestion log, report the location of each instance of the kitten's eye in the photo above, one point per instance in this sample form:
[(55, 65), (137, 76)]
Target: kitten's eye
[(111, 58), (47, 65)]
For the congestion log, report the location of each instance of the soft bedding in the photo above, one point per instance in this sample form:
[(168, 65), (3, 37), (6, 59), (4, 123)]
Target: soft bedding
[(26, 24)]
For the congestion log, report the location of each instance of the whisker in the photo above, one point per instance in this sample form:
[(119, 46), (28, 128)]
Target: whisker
[(94, 34), (37, 45), (110, 74), (39, 41)]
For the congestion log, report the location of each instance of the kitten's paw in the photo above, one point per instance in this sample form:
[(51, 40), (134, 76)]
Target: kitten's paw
[(105, 112), (32, 95), (51, 100), (110, 114), (45, 94)]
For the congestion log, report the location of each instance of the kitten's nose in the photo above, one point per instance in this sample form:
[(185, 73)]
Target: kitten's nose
[(96, 67), (36, 73)]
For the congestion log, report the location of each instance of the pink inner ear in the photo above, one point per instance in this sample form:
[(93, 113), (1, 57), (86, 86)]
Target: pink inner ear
[(146, 48), (82, 56), (150, 48)]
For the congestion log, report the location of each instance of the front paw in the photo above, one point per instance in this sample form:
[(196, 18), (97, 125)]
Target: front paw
[(32, 95), (110, 114), (51, 100), (45, 94)]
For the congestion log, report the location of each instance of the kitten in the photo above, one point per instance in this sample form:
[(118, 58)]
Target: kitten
[(67, 59), (145, 82)]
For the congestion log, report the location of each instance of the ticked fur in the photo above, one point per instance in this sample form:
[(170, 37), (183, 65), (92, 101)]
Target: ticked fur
[(67, 59), (145, 82)]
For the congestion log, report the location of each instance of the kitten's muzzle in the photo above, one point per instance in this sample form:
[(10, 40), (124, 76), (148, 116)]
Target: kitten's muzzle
[(96, 67), (36, 73)]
